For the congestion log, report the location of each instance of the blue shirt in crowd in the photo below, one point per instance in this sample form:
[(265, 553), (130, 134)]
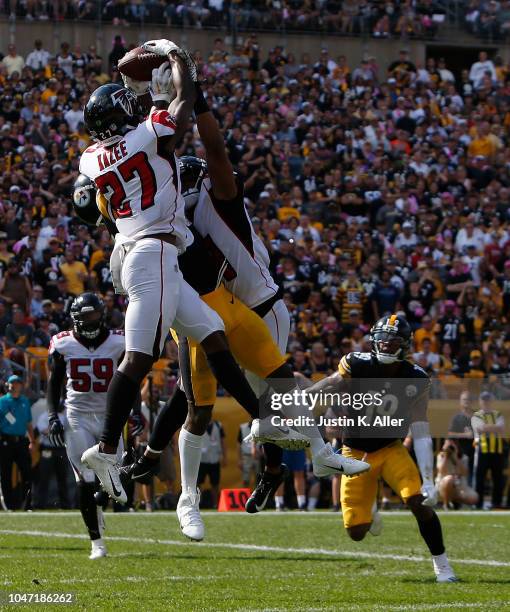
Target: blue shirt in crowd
[(15, 415)]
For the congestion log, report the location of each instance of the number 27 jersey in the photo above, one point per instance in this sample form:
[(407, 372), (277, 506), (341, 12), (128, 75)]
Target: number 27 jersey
[(88, 370), (140, 180)]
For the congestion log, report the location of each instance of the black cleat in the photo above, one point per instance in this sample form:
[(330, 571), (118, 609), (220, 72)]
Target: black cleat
[(266, 488), (141, 471)]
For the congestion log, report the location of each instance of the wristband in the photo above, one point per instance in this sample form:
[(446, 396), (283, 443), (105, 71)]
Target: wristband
[(201, 105), (162, 97)]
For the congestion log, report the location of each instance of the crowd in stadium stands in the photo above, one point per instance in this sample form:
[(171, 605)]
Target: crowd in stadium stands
[(489, 20), (375, 188), (400, 18)]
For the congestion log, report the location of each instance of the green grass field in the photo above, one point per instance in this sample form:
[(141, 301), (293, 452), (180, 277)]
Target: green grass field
[(287, 561)]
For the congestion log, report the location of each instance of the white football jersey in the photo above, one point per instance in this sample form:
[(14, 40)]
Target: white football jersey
[(139, 180), (227, 229), (89, 371)]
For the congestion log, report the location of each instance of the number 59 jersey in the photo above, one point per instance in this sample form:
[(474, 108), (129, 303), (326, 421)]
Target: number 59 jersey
[(140, 180), (88, 370)]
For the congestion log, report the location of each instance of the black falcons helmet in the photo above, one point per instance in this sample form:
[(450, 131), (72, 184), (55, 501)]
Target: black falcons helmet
[(192, 171), (88, 315), (391, 338), (84, 200), (112, 110)]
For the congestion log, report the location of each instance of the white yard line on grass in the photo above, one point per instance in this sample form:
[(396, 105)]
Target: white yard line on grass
[(258, 547), (292, 513)]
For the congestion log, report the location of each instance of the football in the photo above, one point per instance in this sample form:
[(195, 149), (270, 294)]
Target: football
[(138, 64)]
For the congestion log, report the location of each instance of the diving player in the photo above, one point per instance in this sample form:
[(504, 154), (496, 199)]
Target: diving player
[(87, 359), (404, 388)]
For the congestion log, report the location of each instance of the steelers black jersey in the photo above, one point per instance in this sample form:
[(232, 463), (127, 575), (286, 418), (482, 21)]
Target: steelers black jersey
[(380, 400), (200, 267)]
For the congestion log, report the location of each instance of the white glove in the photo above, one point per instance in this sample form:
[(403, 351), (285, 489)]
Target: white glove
[(161, 83), (138, 87), (429, 492), (161, 46)]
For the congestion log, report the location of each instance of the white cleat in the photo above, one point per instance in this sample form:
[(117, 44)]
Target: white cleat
[(188, 513), (98, 550), (106, 468), (377, 524), (327, 463), (262, 430), (442, 569)]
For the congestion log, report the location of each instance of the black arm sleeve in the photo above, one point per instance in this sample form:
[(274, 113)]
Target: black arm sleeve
[(56, 378)]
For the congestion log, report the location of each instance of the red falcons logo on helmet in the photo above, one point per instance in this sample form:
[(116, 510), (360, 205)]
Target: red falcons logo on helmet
[(125, 100)]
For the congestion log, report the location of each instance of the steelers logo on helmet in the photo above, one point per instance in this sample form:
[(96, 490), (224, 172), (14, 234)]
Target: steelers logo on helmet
[(88, 315), (84, 200), (391, 339)]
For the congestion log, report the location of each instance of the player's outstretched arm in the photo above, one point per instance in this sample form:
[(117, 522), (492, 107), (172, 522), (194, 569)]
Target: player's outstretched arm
[(330, 384), (57, 373), (182, 105), (219, 167)]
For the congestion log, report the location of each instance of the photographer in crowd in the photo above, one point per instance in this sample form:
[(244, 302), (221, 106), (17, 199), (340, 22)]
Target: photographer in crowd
[(452, 476)]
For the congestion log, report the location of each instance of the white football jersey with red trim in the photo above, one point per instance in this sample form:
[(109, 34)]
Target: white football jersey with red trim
[(89, 371), (228, 232), (139, 180)]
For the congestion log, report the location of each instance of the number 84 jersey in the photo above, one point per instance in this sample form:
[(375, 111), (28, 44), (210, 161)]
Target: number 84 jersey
[(88, 369)]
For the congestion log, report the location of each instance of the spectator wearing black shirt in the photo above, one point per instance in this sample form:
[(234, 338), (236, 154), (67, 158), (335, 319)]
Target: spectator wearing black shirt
[(500, 375), (101, 274), (5, 317), (449, 328), (460, 428), (19, 333), (385, 297)]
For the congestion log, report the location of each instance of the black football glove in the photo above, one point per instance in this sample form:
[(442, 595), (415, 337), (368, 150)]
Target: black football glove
[(136, 425), (56, 432)]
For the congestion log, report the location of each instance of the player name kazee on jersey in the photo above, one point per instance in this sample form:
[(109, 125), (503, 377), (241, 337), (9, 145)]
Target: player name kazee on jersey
[(107, 157)]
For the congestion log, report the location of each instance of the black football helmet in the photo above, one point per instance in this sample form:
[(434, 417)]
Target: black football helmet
[(391, 338), (192, 171), (84, 200), (111, 111), (88, 315)]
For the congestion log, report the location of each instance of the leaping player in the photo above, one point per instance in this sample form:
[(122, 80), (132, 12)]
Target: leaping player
[(134, 167), (216, 206)]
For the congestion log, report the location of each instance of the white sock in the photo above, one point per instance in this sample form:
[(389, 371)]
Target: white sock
[(97, 543), (312, 503), (441, 559), (374, 508), (278, 500), (301, 500), (190, 453)]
